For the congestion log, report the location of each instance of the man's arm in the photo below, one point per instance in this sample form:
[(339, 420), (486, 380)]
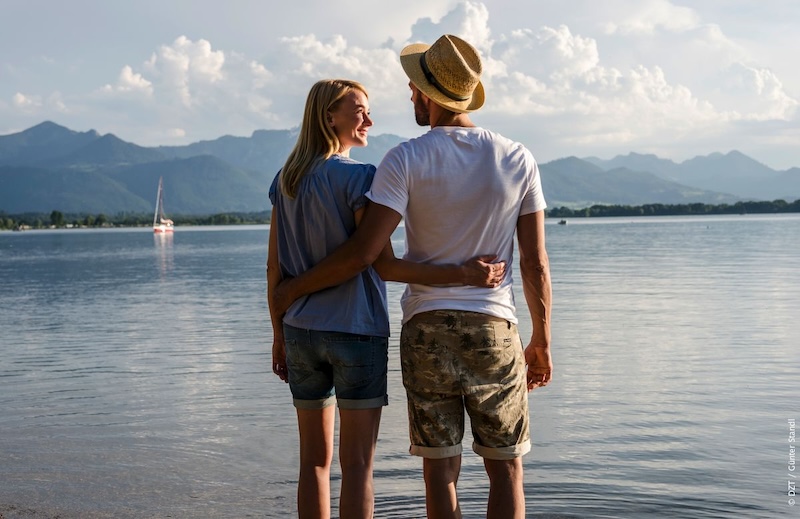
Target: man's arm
[(350, 258), (273, 279), (535, 271)]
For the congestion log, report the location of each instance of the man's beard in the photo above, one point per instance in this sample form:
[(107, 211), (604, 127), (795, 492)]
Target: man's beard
[(422, 115)]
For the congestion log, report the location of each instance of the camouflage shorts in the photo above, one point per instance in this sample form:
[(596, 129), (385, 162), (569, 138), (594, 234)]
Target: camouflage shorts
[(453, 360)]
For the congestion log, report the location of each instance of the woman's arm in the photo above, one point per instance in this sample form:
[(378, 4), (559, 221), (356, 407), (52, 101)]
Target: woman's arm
[(363, 249), (273, 279), (478, 271)]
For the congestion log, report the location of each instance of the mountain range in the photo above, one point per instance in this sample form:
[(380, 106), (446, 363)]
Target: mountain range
[(49, 167)]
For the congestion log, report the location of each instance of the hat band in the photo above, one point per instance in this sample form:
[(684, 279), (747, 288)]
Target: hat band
[(432, 80)]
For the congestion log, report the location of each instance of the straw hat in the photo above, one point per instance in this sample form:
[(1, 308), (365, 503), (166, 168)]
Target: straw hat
[(448, 72)]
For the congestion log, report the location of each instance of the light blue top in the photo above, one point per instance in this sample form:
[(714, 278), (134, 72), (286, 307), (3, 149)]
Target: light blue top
[(312, 226)]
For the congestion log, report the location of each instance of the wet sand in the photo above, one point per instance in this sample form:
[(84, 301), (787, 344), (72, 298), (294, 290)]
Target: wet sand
[(22, 512)]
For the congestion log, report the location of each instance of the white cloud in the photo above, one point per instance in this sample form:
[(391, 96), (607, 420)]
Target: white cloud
[(182, 69), (56, 102), (649, 16), (261, 76), (548, 52), (570, 78), (307, 59), (130, 82), (754, 93), (554, 74), (188, 87), (36, 104), (26, 102), (467, 20)]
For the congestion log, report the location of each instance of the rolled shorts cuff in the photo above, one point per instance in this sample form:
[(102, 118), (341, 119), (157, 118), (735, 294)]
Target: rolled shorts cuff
[(321, 403), (365, 403), (502, 453), (436, 453)]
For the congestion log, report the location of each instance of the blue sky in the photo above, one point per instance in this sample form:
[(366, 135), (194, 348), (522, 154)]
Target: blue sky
[(565, 77)]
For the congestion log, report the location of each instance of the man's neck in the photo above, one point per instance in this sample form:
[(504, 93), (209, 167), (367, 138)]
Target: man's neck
[(441, 117)]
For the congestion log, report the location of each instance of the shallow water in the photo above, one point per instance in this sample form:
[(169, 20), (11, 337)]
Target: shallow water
[(136, 380)]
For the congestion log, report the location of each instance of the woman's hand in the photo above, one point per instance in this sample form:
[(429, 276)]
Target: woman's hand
[(279, 360), (481, 272)]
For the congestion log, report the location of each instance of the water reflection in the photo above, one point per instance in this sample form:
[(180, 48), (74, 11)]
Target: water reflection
[(136, 378), (163, 246)]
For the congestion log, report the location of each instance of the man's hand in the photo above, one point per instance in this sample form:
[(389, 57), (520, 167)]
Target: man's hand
[(481, 272), (540, 365), (279, 360)]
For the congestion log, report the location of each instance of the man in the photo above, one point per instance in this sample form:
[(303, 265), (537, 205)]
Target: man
[(463, 191)]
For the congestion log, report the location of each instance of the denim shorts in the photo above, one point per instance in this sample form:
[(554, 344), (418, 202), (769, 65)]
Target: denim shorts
[(328, 367)]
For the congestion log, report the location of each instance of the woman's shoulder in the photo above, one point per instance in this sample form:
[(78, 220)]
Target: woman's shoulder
[(346, 165), (345, 161)]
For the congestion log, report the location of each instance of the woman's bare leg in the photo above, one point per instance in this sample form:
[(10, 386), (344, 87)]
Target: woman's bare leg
[(316, 453), (358, 435)]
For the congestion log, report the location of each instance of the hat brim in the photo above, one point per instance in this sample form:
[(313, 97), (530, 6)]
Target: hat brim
[(409, 59)]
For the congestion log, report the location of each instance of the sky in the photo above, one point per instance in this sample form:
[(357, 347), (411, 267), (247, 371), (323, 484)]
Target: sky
[(675, 78)]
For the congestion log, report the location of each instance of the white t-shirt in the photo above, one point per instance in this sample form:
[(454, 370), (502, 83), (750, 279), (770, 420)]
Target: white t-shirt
[(460, 191)]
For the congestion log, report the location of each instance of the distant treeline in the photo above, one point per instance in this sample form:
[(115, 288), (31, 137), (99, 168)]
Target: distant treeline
[(59, 220), (776, 206)]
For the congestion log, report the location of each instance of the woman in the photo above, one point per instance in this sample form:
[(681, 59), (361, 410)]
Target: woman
[(334, 342)]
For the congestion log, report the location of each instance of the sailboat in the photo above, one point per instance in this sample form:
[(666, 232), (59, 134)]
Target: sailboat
[(160, 223)]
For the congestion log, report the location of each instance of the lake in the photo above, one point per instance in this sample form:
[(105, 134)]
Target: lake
[(136, 379)]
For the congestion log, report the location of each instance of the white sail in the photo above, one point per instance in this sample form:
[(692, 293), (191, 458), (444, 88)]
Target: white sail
[(160, 223)]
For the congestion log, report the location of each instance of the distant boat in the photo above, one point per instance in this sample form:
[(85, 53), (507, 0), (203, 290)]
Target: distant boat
[(160, 223), (562, 222)]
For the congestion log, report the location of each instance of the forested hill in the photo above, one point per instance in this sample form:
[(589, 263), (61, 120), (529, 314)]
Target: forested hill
[(49, 167)]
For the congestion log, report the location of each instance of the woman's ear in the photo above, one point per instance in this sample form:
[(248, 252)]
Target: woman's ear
[(329, 119)]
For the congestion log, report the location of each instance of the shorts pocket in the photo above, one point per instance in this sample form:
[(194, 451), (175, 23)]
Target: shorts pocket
[(299, 370), (355, 358), (496, 351)]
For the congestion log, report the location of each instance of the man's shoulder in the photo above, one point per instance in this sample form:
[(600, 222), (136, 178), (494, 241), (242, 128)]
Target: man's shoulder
[(426, 139), (511, 148), (438, 138), (502, 140), (409, 148)]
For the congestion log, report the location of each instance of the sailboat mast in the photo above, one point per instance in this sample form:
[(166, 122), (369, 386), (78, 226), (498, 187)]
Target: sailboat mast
[(158, 202)]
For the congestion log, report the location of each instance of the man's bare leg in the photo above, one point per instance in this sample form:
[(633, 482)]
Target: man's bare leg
[(441, 477), (506, 492)]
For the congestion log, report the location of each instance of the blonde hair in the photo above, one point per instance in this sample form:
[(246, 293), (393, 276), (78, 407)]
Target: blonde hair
[(317, 140)]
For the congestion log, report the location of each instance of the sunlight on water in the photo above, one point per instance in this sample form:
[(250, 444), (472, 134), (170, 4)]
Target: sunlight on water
[(136, 377)]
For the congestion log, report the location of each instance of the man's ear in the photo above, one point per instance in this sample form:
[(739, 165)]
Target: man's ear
[(429, 104)]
